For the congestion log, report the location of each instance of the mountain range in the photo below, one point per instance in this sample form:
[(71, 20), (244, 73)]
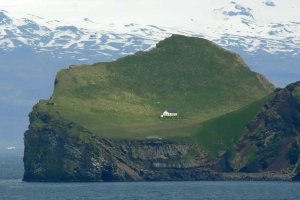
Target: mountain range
[(33, 48)]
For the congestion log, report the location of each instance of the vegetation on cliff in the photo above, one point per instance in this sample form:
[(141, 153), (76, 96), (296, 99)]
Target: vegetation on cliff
[(221, 133), (123, 99), (102, 122), (271, 140)]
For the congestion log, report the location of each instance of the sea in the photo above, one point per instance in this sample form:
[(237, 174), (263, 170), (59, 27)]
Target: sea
[(13, 188)]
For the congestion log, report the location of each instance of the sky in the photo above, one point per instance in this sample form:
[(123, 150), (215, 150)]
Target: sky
[(158, 12), (140, 11)]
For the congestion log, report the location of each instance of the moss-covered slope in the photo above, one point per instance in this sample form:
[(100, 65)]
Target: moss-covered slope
[(271, 140), (102, 122), (123, 99)]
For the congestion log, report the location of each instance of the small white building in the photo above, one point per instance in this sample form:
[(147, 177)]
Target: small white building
[(169, 113)]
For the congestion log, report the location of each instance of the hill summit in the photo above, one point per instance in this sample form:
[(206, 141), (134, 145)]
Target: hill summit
[(103, 121), (194, 76)]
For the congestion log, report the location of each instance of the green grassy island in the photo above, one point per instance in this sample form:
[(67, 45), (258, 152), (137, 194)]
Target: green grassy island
[(103, 121)]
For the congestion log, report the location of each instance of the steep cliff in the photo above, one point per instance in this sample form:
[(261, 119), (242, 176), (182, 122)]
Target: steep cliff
[(60, 151), (102, 122), (271, 140)]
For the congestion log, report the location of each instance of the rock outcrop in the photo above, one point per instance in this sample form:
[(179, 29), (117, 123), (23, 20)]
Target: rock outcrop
[(51, 154), (102, 122), (271, 140), (57, 150)]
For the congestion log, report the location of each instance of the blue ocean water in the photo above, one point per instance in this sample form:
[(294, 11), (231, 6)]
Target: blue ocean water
[(11, 164), (12, 188), (16, 189)]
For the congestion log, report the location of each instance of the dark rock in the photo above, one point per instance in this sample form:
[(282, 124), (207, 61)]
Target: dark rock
[(56, 150), (271, 140)]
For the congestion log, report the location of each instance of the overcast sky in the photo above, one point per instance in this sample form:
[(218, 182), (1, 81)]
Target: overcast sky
[(159, 12), (147, 11)]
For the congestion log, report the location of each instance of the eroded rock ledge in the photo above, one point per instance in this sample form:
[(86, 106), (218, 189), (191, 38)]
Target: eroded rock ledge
[(57, 150), (54, 153)]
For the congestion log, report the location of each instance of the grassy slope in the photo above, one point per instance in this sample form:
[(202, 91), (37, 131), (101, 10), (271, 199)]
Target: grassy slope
[(123, 99), (296, 92), (222, 132)]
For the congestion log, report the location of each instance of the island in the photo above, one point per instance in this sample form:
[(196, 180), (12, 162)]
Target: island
[(184, 110)]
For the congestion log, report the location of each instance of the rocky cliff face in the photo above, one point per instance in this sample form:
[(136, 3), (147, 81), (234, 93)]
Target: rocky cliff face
[(52, 155), (100, 120), (271, 140), (269, 149)]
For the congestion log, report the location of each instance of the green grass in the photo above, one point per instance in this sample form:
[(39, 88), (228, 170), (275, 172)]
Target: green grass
[(222, 132), (297, 93), (123, 99)]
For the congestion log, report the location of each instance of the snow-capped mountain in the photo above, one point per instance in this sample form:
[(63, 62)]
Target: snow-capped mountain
[(33, 48), (237, 27)]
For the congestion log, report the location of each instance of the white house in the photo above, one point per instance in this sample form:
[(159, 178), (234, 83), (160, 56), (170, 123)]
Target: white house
[(169, 113)]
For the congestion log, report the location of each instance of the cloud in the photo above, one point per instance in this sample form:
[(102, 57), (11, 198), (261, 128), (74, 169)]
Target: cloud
[(123, 11), (155, 12)]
